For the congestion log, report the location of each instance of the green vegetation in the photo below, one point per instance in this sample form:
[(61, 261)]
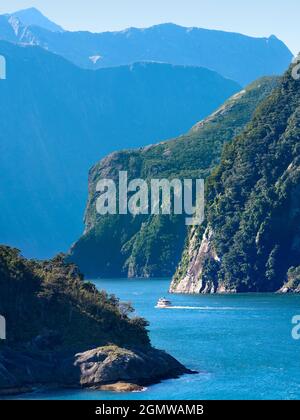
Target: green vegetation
[(50, 297), (150, 246), (253, 200)]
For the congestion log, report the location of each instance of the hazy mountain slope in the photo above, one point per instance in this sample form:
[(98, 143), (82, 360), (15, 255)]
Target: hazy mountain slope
[(251, 239), (33, 17), (150, 246), (235, 56), (7, 31), (57, 120)]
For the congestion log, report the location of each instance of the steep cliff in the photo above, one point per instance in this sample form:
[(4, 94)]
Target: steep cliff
[(252, 236), (149, 245)]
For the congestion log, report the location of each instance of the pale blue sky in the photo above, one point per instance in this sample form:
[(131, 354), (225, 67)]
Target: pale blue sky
[(251, 17)]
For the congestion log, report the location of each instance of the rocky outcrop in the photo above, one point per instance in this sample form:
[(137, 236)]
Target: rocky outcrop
[(110, 365), (106, 368), (293, 281), (193, 262), (287, 288), (192, 275), (121, 387)]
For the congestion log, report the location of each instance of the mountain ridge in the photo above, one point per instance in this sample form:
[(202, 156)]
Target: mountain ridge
[(33, 17), (235, 56)]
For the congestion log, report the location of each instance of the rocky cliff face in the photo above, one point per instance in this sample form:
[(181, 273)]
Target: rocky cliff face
[(292, 284), (193, 275), (252, 236), (200, 251), (151, 246)]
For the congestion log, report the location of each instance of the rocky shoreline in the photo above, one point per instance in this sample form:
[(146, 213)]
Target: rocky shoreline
[(108, 368), (67, 334)]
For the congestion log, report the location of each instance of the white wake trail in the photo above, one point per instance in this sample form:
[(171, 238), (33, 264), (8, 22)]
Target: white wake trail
[(200, 308)]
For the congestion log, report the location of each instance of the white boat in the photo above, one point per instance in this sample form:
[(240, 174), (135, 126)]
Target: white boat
[(163, 303)]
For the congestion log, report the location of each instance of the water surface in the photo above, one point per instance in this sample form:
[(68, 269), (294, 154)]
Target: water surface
[(241, 345)]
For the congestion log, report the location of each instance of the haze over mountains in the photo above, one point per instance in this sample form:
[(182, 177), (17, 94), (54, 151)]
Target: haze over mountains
[(238, 57), (33, 17), (57, 120)]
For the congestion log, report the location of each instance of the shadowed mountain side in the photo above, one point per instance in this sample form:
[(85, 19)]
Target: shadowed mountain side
[(57, 120)]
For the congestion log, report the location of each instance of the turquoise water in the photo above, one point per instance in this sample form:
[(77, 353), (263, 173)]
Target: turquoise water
[(241, 345)]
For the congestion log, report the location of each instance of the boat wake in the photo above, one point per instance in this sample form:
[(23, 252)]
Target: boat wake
[(202, 308)]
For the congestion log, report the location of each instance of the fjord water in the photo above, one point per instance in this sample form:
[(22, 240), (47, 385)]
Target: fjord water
[(241, 345)]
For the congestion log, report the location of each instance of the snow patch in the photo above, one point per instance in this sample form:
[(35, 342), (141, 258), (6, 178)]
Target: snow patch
[(95, 58)]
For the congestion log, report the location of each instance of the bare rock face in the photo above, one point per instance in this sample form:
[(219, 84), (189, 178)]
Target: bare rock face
[(106, 368), (191, 276), (286, 289), (196, 257), (121, 387), (112, 364), (292, 284)]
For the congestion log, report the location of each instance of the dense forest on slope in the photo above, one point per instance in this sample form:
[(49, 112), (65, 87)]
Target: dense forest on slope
[(149, 246), (40, 296), (252, 238), (62, 332)]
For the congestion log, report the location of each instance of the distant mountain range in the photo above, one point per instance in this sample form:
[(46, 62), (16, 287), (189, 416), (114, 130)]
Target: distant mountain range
[(33, 17), (57, 120), (235, 56)]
